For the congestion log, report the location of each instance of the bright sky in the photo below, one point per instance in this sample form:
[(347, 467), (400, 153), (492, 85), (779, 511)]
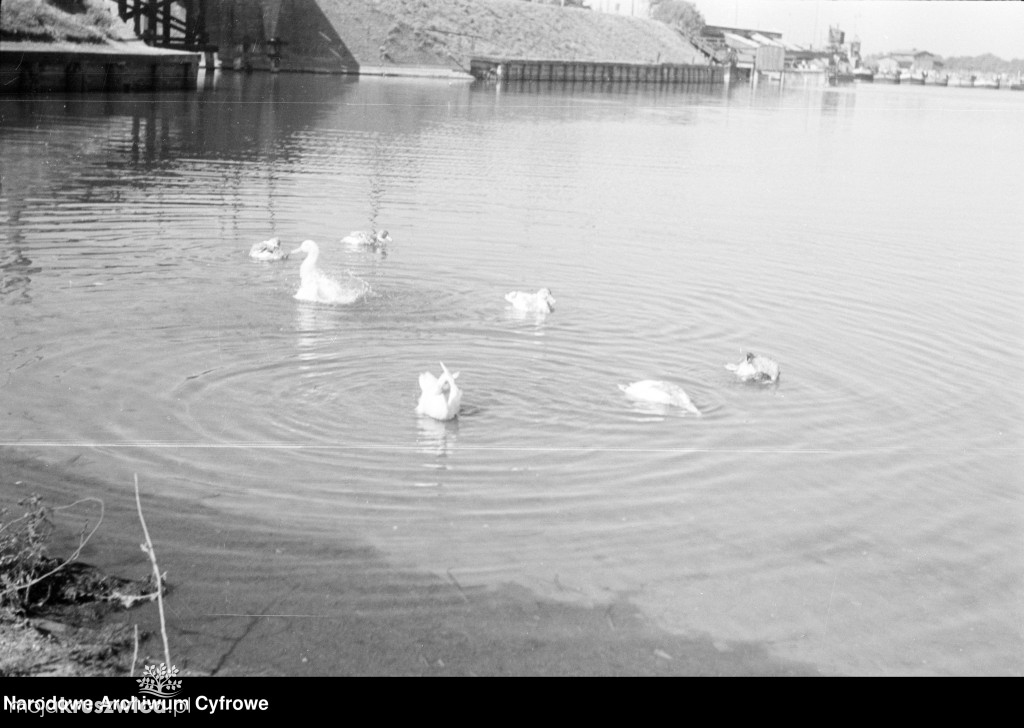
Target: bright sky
[(944, 27)]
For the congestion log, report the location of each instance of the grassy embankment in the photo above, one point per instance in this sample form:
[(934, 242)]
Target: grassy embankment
[(44, 22), (443, 32)]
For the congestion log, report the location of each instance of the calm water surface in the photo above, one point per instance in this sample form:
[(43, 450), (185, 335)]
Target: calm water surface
[(862, 516)]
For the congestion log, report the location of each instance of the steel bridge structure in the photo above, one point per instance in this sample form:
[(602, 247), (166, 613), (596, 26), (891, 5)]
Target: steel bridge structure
[(175, 24)]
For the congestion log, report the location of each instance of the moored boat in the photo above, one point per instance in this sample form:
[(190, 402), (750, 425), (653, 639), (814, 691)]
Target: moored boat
[(884, 77), (986, 82), (863, 74), (914, 77), (932, 78)]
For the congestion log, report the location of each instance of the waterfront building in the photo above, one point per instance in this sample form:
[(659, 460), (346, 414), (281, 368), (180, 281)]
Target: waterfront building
[(747, 49), (912, 60)]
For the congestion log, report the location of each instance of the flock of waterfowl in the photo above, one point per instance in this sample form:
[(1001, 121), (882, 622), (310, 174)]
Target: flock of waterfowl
[(440, 397)]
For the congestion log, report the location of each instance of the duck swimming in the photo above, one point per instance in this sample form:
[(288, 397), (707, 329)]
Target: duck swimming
[(540, 302), (363, 239), (756, 368), (319, 287), (267, 250), (433, 400), (657, 392)]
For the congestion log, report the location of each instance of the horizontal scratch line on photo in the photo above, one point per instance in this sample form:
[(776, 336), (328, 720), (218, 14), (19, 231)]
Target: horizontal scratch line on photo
[(431, 446), (229, 614)]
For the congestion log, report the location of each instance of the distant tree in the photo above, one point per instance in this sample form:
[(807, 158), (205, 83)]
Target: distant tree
[(679, 14), (986, 63)]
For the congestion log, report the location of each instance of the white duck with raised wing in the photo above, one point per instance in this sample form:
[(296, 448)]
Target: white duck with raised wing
[(317, 286), (657, 392), (267, 250), (367, 239), (540, 302), (755, 368), (440, 397)]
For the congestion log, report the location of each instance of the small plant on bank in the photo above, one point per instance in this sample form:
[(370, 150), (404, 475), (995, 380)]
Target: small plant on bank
[(32, 581), (23, 559)]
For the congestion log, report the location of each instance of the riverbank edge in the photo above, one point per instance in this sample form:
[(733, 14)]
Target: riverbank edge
[(87, 625)]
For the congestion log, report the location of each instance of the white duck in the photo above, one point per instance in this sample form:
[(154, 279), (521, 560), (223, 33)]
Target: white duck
[(657, 392), (319, 287), (540, 302), (433, 400), (267, 250), (756, 368), (363, 239)]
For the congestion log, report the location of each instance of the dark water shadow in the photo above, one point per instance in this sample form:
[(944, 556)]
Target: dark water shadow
[(250, 599)]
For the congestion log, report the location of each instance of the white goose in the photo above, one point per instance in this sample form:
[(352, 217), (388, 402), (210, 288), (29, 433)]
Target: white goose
[(756, 368), (540, 302), (656, 392), (319, 287), (363, 239), (433, 400), (267, 250)]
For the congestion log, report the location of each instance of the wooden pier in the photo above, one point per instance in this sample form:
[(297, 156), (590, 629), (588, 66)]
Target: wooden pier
[(34, 68), (502, 69)]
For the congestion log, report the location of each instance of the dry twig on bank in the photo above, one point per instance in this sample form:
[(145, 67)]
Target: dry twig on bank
[(147, 548)]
